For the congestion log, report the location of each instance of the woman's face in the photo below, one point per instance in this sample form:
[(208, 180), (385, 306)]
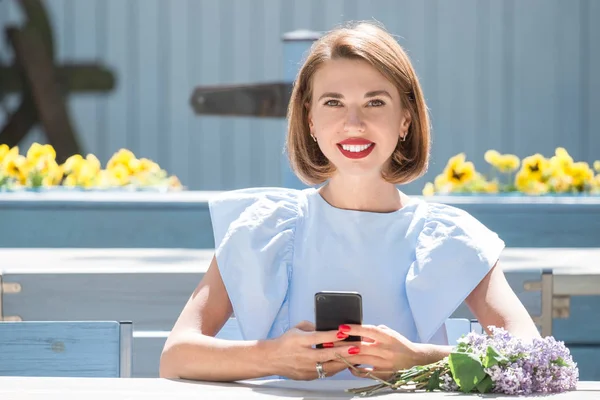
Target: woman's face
[(356, 116)]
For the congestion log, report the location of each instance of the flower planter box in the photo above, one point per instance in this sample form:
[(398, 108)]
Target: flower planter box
[(78, 219)]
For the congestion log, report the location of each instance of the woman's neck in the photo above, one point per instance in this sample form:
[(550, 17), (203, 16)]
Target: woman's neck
[(356, 193)]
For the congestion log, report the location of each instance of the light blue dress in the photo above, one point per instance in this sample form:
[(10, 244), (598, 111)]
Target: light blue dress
[(277, 247)]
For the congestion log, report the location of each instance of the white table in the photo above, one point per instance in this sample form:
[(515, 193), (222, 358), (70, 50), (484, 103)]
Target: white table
[(113, 389)]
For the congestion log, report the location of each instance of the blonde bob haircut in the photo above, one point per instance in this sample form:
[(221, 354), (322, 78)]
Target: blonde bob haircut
[(371, 43)]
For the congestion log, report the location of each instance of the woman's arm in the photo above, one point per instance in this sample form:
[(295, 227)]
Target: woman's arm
[(493, 302), (192, 352)]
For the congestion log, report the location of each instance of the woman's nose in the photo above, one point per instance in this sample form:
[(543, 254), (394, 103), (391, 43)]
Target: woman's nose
[(354, 121)]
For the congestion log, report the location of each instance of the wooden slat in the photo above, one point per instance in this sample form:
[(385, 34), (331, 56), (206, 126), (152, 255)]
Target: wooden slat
[(74, 78), (74, 349)]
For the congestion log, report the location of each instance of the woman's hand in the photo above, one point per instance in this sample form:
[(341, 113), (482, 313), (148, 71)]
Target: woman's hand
[(294, 357), (384, 349)]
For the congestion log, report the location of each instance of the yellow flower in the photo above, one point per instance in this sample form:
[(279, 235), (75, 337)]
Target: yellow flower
[(9, 155), (538, 188), (492, 157), (73, 164), (87, 175), (561, 161), (4, 149), (536, 165), (582, 175), (121, 157), (563, 154), (560, 182), (37, 151), (596, 165), (491, 187), (596, 184), (16, 167), (174, 182), (149, 166), (429, 189), (93, 162), (120, 173), (134, 165), (442, 185), (458, 171), (70, 181), (527, 183), (507, 163), (118, 176)]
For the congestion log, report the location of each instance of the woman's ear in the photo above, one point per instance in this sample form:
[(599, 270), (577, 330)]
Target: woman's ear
[(405, 123), (309, 115)]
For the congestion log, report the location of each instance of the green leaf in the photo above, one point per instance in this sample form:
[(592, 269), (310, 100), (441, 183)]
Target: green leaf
[(36, 179), (560, 362), (434, 381), (493, 357), (462, 347), (486, 385), (466, 369)]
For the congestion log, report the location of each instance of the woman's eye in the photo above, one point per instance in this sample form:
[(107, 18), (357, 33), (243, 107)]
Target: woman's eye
[(376, 103), (332, 103)]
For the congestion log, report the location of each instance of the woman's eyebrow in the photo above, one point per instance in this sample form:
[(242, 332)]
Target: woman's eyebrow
[(378, 93), (332, 95), (372, 93)]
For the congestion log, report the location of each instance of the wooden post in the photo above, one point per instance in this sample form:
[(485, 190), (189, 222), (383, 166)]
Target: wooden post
[(37, 68)]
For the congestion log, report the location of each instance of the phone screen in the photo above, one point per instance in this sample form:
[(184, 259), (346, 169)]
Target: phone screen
[(333, 309)]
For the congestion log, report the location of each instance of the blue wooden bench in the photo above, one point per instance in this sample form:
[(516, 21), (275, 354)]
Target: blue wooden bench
[(66, 348)]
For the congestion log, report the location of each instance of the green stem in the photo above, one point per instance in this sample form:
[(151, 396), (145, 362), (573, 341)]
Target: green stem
[(368, 374)]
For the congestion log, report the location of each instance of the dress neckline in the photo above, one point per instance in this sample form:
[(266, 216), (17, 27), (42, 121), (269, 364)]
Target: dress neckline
[(406, 207)]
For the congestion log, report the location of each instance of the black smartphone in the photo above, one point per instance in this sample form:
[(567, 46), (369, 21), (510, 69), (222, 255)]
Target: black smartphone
[(333, 309)]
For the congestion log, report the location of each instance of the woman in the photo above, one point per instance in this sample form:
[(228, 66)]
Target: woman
[(358, 126)]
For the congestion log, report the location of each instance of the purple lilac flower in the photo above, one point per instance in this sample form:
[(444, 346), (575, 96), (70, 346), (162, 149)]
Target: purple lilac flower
[(447, 384), (542, 365)]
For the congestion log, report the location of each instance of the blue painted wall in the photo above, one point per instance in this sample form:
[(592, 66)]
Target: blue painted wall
[(511, 75)]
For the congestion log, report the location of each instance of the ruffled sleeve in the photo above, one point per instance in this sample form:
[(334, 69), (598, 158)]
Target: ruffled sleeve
[(254, 234), (454, 253)]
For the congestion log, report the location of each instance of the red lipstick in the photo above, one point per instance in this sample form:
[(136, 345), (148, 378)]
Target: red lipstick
[(356, 148)]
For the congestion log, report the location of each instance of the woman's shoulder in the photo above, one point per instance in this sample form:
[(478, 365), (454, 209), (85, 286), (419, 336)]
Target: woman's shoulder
[(439, 214), (258, 200), (258, 213), (450, 225)]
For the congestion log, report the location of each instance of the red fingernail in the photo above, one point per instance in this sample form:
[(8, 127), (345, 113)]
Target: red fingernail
[(344, 328), (341, 335), (327, 345), (353, 350)]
